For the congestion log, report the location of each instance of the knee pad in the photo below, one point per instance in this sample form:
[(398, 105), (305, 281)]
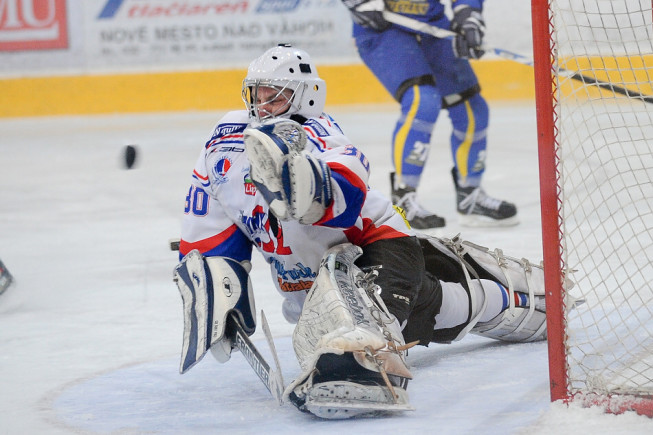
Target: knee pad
[(472, 111), (421, 102)]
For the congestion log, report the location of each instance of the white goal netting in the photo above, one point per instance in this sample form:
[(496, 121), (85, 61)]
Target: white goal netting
[(602, 53)]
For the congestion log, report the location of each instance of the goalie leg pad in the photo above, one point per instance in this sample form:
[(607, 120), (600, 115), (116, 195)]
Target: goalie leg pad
[(515, 324), (344, 323), (521, 324), (210, 289)]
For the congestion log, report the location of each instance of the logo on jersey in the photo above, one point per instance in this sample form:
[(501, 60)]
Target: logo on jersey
[(220, 170), (317, 127), (290, 280), (250, 187), (418, 154), (225, 129)]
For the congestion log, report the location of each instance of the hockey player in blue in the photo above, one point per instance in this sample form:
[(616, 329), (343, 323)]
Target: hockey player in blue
[(427, 75)]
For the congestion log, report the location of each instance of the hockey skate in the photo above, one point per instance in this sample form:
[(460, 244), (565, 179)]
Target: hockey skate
[(477, 209), (418, 217), (339, 387)]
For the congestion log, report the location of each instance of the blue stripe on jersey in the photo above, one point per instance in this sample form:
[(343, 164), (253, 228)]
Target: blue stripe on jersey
[(354, 199), (237, 247)]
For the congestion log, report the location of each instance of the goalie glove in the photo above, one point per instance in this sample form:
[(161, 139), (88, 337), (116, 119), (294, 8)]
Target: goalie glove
[(368, 13), (295, 184), (468, 23)]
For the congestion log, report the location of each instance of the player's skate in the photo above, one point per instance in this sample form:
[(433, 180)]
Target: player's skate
[(418, 217), (477, 209), (349, 347)]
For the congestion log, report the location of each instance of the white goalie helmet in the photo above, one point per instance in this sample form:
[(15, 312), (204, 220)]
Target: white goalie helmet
[(292, 74)]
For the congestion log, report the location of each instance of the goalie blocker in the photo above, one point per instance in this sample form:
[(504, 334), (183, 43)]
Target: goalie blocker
[(212, 288)]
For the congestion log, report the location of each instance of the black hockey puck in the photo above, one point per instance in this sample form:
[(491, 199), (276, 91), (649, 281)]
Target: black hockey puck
[(130, 156)]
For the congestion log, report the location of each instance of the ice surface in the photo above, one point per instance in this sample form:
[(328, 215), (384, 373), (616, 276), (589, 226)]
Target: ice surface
[(90, 333)]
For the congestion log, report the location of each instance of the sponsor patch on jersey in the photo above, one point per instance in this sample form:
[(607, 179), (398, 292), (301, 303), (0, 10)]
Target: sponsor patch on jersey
[(225, 129), (297, 278), (250, 187), (317, 127), (220, 170)]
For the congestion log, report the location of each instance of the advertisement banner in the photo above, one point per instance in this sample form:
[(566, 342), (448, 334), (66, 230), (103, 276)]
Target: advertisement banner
[(107, 36), (213, 32), (33, 25)]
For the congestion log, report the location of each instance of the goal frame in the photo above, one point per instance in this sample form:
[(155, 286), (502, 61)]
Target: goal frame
[(552, 221)]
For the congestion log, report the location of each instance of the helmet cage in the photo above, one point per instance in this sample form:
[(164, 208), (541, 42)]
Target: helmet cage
[(285, 68), (293, 98)]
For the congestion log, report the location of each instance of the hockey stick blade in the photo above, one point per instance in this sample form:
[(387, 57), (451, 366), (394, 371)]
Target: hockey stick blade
[(174, 244), (270, 378), (441, 33), (273, 349)]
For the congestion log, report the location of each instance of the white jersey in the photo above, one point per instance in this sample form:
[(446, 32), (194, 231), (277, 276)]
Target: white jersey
[(226, 216)]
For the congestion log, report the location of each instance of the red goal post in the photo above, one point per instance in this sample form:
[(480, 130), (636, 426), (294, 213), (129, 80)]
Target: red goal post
[(596, 185)]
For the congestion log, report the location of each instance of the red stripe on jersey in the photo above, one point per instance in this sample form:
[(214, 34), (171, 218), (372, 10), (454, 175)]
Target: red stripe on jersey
[(315, 137), (205, 245), (350, 175), (328, 215), (371, 233), (213, 142), (201, 177)]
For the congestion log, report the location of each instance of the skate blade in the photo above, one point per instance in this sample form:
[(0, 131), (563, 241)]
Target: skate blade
[(340, 400)]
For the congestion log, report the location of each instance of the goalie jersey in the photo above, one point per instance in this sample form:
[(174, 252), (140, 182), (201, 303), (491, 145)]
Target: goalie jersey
[(226, 216)]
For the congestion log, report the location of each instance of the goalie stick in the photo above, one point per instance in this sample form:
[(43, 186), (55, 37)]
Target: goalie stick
[(441, 33), (272, 379)]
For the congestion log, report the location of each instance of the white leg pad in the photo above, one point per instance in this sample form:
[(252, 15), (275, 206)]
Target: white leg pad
[(344, 315), (516, 275)]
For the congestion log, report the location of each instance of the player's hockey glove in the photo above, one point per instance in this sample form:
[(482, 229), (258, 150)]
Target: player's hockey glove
[(468, 23), (368, 13), (294, 183)]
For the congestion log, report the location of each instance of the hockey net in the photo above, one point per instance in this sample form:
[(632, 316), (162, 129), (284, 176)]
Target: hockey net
[(593, 75)]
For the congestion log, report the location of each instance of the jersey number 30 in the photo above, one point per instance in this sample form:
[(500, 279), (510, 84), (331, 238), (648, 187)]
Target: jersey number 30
[(197, 201)]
